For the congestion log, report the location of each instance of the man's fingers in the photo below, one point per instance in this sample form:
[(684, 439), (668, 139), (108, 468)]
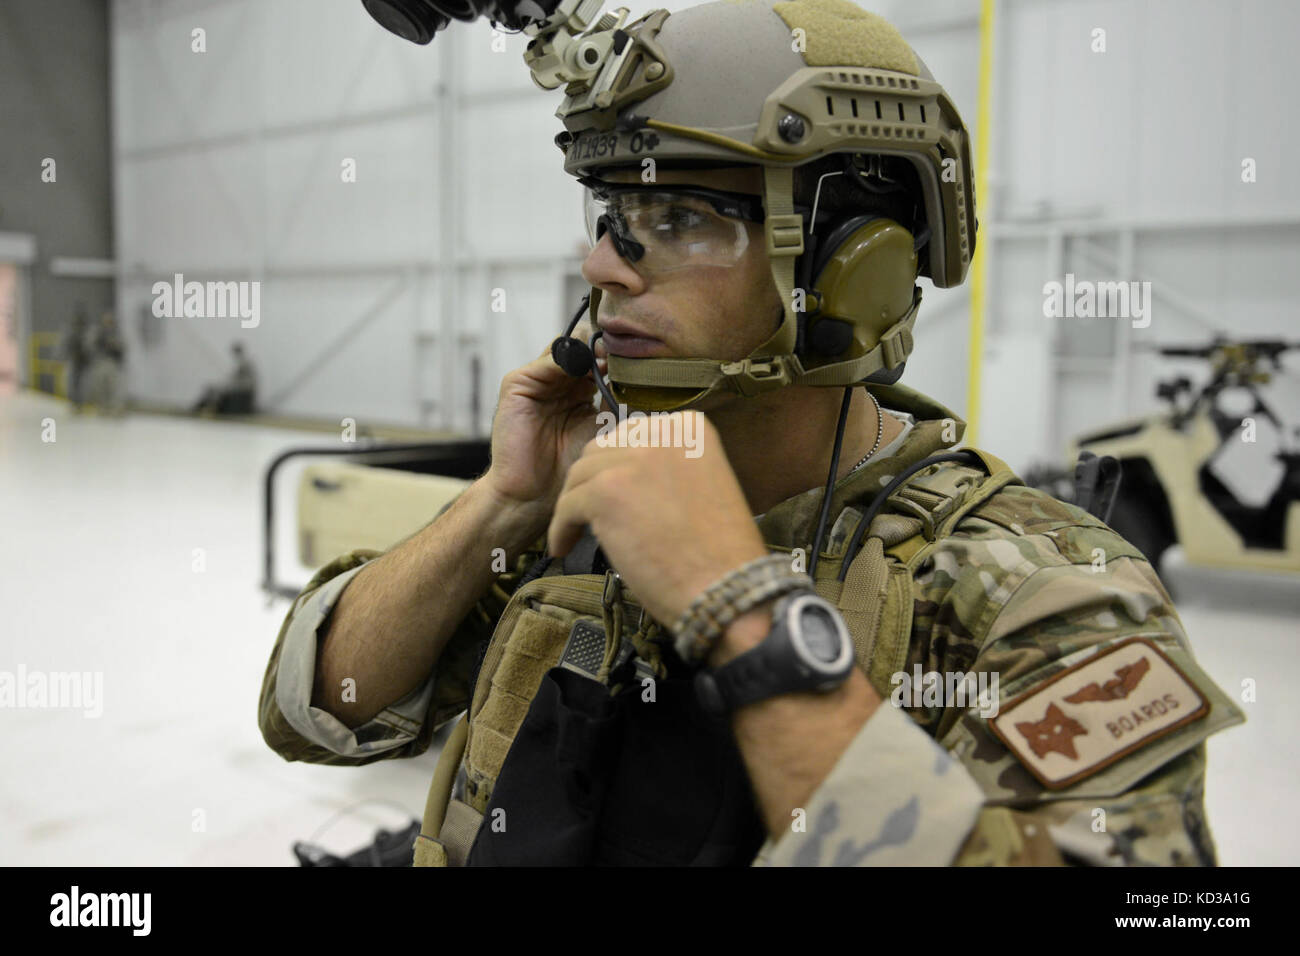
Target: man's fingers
[(567, 523), (586, 468), (542, 379)]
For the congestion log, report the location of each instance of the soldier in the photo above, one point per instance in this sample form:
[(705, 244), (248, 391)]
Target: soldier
[(75, 349), (688, 650), (104, 381), (239, 395)]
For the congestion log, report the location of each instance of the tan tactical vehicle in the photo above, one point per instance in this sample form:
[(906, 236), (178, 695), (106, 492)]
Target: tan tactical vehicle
[(367, 498), (1169, 493)]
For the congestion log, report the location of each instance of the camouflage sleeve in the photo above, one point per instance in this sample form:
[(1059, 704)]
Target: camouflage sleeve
[(1080, 750), (894, 798), (1052, 646), (297, 731)]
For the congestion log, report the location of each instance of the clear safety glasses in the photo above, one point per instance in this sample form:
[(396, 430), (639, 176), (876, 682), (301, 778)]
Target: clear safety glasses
[(663, 228)]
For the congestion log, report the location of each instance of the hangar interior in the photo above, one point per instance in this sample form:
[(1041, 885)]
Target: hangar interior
[(405, 214)]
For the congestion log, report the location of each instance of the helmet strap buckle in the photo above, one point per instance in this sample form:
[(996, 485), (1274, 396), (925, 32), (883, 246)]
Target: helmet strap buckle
[(785, 234), (896, 345), (752, 376)]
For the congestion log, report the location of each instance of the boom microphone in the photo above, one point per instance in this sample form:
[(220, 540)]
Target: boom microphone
[(574, 355), (578, 358)]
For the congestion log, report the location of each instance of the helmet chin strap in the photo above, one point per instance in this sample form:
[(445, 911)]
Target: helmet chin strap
[(696, 379)]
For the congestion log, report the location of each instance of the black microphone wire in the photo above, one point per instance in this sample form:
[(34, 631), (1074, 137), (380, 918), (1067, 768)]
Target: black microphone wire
[(582, 307), (879, 502), (830, 482), (600, 381)]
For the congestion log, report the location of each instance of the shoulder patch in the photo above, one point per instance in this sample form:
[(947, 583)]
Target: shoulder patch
[(1104, 708)]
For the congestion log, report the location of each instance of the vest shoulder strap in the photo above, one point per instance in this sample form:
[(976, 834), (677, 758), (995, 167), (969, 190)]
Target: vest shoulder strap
[(876, 595)]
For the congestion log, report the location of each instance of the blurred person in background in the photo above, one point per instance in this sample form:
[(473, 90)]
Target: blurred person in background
[(75, 349), (104, 384), (237, 396)]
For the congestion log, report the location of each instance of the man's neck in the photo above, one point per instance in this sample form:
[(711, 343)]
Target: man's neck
[(780, 444)]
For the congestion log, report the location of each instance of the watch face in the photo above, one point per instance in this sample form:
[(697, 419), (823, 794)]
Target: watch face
[(820, 634)]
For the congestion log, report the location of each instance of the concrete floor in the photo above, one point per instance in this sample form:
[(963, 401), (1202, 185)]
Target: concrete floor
[(97, 574)]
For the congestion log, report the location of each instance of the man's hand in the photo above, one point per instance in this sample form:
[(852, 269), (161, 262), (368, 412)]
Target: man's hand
[(671, 524), (542, 420)]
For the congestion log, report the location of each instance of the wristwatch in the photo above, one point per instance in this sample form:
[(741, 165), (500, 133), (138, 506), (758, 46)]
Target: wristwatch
[(808, 649)]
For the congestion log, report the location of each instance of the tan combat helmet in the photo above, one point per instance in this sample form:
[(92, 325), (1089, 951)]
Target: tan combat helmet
[(780, 85)]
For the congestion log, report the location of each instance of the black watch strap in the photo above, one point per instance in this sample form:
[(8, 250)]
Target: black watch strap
[(740, 681), (781, 664)]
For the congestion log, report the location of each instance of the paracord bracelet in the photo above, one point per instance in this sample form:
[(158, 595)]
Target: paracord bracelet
[(732, 595)]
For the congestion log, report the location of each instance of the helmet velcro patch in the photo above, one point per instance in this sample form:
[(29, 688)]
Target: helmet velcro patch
[(840, 33)]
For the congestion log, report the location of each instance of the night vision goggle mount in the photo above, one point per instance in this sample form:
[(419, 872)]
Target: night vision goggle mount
[(571, 43)]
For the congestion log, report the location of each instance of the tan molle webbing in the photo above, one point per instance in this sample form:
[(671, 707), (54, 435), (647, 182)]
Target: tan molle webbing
[(430, 847), (840, 33), (459, 830), (876, 603), (876, 596), (536, 642), (860, 599), (435, 806)]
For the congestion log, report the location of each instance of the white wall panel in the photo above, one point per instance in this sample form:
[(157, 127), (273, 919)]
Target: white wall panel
[(328, 60), (389, 214), (186, 210), (518, 199), (167, 92), (517, 335), (493, 62), (338, 361), (230, 160)]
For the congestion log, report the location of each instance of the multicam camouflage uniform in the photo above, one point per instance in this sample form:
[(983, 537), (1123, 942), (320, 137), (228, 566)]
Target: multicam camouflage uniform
[(1017, 590)]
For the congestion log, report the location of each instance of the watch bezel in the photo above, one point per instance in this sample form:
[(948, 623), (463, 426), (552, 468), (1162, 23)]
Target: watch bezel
[(790, 616)]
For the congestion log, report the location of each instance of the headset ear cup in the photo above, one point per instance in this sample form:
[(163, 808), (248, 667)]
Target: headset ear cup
[(826, 334), (833, 240), (864, 274)]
